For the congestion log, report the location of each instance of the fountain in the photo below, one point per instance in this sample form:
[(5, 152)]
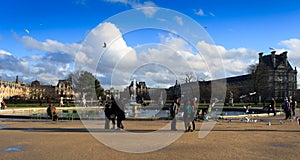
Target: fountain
[(133, 103), (133, 96)]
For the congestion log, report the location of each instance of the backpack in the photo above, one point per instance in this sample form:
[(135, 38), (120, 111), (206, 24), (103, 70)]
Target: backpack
[(189, 110), (286, 106)]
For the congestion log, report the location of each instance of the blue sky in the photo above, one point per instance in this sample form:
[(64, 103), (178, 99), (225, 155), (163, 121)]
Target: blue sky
[(40, 39)]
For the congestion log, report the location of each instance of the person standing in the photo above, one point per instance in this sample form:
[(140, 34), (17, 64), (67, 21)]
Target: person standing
[(51, 111), (272, 106), (109, 115), (293, 105), (287, 109), (3, 105), (120, 113), (174, 111)]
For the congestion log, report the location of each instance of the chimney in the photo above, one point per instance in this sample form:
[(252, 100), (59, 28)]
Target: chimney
[(260, 56), (17, 79), (284, 55), (273, 58)]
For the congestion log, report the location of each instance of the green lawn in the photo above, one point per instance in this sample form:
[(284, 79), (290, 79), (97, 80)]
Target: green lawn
[(37, 105)]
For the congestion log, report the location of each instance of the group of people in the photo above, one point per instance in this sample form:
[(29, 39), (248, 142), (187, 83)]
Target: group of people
[(114, 111), (289, 107), (189, 111)]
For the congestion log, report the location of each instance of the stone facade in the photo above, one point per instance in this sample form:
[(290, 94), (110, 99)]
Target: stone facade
[(275, 77), (36, 92), (10, 89), (64, 89)]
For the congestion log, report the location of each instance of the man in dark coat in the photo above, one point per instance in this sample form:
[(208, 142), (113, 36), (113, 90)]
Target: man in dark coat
[(109, 115), (120, 113)]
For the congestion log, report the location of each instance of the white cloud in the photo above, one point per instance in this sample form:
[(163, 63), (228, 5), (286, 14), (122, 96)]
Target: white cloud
[(58, 57), (199, 12), (35, 58), (293, 45), (148, 7), (48, 78), (161, 19), (118, 63), (92, 52), (64, 68), (11, 64), (80, 2), (51, 46), (179, 20), (293, 48), (121, 1), (3, 52), (234, 61), (212, 14)]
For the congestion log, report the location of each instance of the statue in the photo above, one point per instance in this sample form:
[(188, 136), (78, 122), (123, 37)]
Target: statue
[(61, 102), (230, 103)]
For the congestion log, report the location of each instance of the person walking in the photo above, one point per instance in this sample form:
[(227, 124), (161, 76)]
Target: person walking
[(174, 111), (188, 116), (287, 109), (272, 107), (195, 112)]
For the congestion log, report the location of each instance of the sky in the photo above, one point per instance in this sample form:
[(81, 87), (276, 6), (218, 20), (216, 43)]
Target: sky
[(157, 41)]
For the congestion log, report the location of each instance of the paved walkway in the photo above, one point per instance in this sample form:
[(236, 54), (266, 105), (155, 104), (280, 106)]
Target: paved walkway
[(44, 139)]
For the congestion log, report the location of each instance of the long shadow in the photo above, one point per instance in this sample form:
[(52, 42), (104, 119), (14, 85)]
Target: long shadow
[(69, 130), (82, 130), (72, 130), (253, 130), (47, 129)]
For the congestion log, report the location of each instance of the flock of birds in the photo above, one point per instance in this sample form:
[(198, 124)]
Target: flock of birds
[(254, 120)]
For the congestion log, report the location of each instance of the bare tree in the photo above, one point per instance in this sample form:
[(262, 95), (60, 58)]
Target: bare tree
[(189, 76), (252, 68)]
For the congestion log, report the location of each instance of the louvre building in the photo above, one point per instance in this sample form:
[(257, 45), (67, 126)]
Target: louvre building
[(273, 76)]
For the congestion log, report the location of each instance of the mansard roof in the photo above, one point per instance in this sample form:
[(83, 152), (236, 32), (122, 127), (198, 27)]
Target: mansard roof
[(35, 83), (241, 78), (279, 60), (66, 82)]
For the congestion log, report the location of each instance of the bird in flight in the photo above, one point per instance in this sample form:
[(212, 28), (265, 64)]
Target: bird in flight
[(104, 45), (27, 31)]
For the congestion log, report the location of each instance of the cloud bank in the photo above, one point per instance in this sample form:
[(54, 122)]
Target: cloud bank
[(160, 65)]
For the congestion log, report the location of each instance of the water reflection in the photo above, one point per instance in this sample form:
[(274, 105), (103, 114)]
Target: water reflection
[(13, 149)]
